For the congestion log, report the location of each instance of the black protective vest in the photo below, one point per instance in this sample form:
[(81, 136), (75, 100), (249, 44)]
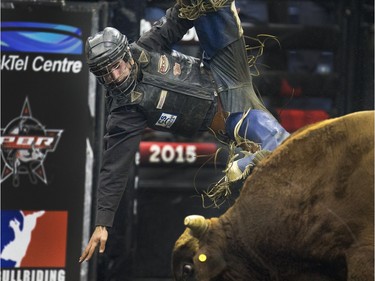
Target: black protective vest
[(175, 93)]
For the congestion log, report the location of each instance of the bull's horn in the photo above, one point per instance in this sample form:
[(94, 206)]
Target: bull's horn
[(197, 224)]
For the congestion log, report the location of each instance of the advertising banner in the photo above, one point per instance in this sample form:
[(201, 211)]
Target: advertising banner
[(47, 120)]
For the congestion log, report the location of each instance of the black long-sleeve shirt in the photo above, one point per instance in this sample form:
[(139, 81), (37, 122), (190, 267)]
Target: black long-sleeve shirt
[(125, 125)]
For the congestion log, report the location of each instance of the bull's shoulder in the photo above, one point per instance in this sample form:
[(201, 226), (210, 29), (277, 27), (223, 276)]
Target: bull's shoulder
[(320, 149), (351, 131)]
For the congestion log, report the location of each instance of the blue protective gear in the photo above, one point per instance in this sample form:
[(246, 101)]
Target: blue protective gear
[(256, 126)]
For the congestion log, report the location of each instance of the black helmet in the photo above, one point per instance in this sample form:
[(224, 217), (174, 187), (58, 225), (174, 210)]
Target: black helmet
[(104, 51)]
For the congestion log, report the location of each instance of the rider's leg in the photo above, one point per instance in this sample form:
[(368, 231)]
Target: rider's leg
[(221, 37), (236, 92)]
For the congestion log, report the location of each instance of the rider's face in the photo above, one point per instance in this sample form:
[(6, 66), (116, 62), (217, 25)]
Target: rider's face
[(118, 72)]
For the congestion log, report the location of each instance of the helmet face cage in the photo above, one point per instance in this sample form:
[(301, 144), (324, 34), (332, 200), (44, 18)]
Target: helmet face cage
[(120, 84), (117, 83), (107, 51)]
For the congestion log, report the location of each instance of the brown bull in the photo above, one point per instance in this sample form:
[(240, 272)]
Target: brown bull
[(305, 213)]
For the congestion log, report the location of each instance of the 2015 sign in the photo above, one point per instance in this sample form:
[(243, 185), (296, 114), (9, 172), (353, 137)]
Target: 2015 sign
[(168, 153), (157, 153)]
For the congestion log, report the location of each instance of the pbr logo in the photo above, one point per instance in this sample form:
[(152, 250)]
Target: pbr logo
[(25, 143)]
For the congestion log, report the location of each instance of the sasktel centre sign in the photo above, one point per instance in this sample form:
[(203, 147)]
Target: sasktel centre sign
[(39, 64)]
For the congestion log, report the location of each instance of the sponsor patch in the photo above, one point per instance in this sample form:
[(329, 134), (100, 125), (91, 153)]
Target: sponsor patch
[(163, 96), (143, 58), (163, 65), (135, 96), (166, 120), (177, 69)]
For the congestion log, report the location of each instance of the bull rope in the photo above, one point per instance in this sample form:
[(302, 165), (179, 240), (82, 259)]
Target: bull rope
[(199, 7)]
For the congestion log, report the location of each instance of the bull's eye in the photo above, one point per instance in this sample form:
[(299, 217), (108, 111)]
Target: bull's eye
[(187, 269)]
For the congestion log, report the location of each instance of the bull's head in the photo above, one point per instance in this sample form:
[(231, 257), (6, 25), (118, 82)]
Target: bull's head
[(195, 255)]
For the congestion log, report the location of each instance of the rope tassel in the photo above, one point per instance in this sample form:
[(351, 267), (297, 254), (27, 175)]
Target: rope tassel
[(197, 8)]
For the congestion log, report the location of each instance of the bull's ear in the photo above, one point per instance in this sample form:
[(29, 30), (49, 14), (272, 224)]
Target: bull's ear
[(208, 264)]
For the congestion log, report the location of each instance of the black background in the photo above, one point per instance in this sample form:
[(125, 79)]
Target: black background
[(58, 101)]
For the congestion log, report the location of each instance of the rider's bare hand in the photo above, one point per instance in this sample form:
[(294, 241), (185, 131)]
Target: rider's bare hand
[(100, 237)]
